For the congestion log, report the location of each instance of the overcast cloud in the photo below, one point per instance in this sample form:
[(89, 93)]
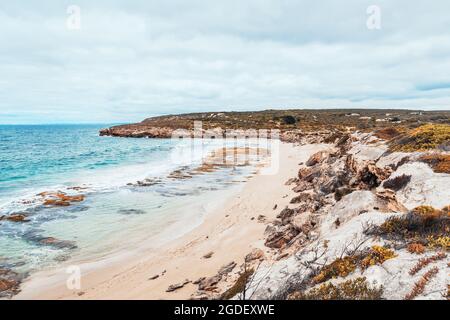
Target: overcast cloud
[(132, 59)]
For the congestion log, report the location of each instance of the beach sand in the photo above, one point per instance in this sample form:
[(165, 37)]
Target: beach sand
[(229, 232)]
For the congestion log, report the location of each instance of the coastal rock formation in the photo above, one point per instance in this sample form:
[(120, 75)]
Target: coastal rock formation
[(131, 131), (346, 198), (59, 199), (9, 282)]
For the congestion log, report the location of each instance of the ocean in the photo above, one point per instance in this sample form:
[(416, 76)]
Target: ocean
[(117, 213)]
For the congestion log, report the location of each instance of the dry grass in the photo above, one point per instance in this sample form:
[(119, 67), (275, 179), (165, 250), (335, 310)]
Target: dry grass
[(387, 133), (416, 248), (440, 163), (426, 137), (425, 225), (419, 286), (357, 289), (422, 263), (239, 285)]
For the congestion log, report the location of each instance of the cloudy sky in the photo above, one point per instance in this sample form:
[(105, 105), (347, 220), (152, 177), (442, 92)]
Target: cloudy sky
[(133, 59)]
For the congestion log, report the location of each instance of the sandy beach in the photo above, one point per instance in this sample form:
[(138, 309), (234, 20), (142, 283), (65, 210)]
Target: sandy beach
[(228, 234)]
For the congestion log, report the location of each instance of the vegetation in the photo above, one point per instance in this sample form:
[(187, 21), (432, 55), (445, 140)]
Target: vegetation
[(377, 255), (424, 224), (422, 263), (342, 267), (419, 286), (440, 163), (239, 286), (357, 289), (298, 119), (426, 137), (397, 183), (416, 248), (387, 133)]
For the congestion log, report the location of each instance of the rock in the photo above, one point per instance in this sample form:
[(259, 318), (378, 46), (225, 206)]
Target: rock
[(269, 229), (131, 211), (137, 131), (302, 186), (9, 283), (303, 172), (341, 192), (388, 202), (226, 269), (302, 222), (316, 158), (285, 215), (255, 254), (59, 199), (281, 237), (60, 244), (199, 280), (154, 277), (208, 255), (291, 181), (372, 176), (58, 203), (304, 197), (147, 182), (275, 207), (314, 173), (177, 286), (261, 218), (19, 217), (6, 285), (209, 284), (281, 256)]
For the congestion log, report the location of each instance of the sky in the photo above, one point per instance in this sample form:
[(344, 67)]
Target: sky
[(128, 60)]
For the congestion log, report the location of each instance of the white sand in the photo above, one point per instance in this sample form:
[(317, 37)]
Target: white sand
[(230, 233)]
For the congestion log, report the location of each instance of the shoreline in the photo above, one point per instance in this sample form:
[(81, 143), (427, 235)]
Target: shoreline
[(230, 233)]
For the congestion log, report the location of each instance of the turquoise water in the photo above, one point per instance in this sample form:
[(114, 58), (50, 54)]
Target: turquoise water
[(116, 214)]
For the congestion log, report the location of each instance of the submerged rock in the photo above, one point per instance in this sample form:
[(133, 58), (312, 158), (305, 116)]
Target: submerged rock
[(9, 282), (131, 211), (17, 217)]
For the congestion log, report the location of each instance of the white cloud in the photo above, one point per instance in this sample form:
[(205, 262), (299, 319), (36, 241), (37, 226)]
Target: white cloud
[(138, 58)]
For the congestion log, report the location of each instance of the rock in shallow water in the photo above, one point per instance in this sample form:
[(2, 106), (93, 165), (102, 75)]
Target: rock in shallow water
[(131, 211)]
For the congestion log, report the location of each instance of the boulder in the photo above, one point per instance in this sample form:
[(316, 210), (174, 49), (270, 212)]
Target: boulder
[(18, 217)]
